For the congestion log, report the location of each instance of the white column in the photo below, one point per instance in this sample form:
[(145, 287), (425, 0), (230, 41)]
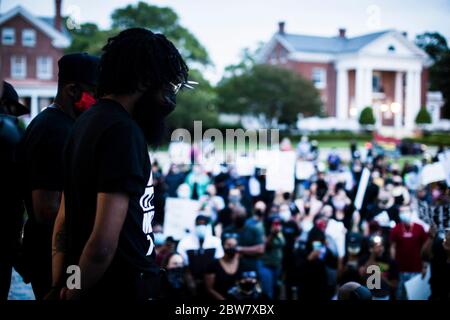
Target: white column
[(342, 94), (412, 104), (359, 90), (34, 106), (368, 87), (399, 99)]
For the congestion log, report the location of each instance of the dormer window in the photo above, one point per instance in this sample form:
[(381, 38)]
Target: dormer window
[(391, 48)]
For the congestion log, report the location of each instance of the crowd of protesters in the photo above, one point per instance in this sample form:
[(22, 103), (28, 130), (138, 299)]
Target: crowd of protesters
[(308, 243), (95, 203)]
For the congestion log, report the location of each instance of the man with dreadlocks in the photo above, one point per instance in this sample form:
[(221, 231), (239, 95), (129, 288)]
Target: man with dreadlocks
[(104, 226)]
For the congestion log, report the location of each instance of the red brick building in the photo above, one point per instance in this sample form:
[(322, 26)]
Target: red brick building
[(383, 70), (30, 49)]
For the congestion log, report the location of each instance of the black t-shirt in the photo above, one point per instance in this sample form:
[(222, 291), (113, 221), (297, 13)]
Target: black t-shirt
[(107, 153), (223, 280), (440, 273), (10, 201), (40, 159)]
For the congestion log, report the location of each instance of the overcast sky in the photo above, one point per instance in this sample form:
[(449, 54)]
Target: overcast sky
[(225, 27)]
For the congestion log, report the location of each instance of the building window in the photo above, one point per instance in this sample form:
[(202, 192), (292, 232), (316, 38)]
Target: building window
[(44, 68), (376, 82), (28, 37), (18, 67), (8, 36), (319, 78)]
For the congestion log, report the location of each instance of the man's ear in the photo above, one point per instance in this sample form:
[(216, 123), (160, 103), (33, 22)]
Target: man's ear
[(74, 91)]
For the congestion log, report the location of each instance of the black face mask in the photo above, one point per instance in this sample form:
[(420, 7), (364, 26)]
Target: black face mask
[(231, 252), (247, 286), (259, 213), (150, 114), (175, 277), (239, 221)]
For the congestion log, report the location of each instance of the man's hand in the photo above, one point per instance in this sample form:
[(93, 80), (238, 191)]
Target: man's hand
[(314, 255), (53, 294), (433, 231), (70, 294)]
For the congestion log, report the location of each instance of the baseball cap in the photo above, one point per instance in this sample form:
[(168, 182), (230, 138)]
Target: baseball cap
[(11, 96)]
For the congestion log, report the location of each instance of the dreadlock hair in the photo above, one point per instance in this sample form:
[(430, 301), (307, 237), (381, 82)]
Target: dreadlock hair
[(138, 59)]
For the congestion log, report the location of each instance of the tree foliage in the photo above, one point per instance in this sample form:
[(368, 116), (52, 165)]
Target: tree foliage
[(275, 95), (91, 39), (423, 116), (366, 117), (435, 45)]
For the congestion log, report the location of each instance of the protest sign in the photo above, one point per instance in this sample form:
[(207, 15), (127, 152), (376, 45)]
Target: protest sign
[(363, 182), (179, 218), (245, 166), (418, 288), (280, 175), (432, 172), (179, 153), (444, 160), (304, 170)]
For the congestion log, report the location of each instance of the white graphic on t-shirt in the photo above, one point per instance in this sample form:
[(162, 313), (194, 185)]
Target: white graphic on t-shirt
[(148, 208)]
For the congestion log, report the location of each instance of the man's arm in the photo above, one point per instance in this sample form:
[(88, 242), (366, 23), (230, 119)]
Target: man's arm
[(254, 250), (45, 205), (58, 253), (101, 246)]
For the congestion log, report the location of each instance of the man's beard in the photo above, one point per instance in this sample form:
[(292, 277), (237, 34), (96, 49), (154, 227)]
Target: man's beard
[(150, 114)]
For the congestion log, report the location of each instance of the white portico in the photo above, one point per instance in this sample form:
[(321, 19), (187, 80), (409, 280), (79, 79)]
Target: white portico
[(386, 74)]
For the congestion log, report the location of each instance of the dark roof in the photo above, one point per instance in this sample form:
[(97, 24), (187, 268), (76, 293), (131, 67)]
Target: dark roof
[(329, 44), (50, 21)]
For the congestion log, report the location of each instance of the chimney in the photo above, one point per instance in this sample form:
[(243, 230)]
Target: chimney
[(281, 25), (57, 23), (342, 32)]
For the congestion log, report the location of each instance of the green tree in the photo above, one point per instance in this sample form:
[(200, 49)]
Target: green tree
[(274, 95), (366, 117), (423, 116), (437, 48), (89, 38), (163, 20)]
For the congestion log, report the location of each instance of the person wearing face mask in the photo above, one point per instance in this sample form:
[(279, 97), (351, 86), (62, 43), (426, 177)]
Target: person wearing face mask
[(388, 267), (174, 285), (407, 239), (40, 155), (250, 240), (247, 288), (198, 181), (270, 270), (313, 260), (351, 262), (223, 273), (105, 223), (199, 249)]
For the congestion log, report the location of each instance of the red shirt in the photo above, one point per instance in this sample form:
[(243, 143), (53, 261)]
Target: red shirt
[(409, 242)]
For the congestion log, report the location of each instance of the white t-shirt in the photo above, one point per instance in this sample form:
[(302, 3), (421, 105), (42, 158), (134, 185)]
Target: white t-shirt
[(191, 243)]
